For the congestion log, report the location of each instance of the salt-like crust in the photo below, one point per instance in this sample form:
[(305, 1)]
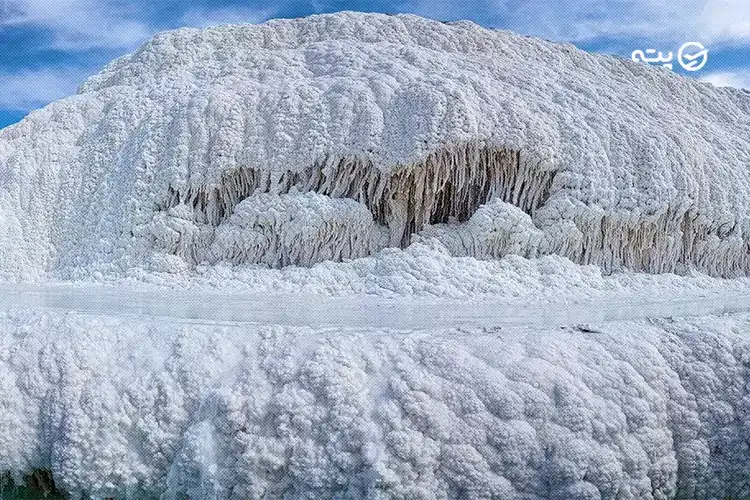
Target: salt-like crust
[(274, 230), (648, 170), (328, 137), (127, 408)]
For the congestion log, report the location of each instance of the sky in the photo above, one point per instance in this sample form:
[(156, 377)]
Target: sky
[(48, 47)]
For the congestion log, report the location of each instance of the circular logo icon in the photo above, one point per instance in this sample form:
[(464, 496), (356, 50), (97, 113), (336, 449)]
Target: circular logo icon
[(692, 56)]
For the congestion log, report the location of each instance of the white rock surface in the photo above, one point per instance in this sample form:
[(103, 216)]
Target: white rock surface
[(275, 230), (648, 170), (330, 137), (126, 408)]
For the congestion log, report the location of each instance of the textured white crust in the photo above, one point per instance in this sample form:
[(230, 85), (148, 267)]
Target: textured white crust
[(618, 164), (327, 139), (295, 230), (133, 409)]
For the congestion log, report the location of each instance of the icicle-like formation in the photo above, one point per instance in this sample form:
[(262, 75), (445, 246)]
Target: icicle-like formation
[(448, 185), (674, 240)]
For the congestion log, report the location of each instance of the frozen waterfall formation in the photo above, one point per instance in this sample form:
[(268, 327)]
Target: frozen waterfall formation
[(334, 136)]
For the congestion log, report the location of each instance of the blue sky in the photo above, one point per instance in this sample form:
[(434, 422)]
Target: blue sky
[(47, 47)]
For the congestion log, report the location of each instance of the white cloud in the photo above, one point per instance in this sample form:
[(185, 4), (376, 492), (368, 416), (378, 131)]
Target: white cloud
[(77, 24), (202, 18), (708, 21), (28, 90), (81, 25), (726, 20), (737, 79)]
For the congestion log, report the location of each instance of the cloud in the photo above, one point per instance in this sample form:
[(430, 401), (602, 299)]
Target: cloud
[(117, 26), (29, 90), (77, 24), (202, 17), (84, 24), (726, 21), (707, 21), (737, 79)]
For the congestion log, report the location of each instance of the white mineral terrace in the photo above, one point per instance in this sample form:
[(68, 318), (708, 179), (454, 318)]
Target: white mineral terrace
[(364, 256)]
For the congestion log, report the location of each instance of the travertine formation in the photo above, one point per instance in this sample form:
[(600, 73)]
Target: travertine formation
[(392, 154), (418, 122), (126, 408)]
